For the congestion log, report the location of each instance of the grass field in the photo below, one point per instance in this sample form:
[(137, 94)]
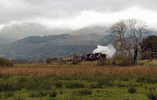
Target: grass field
[(84, 81)]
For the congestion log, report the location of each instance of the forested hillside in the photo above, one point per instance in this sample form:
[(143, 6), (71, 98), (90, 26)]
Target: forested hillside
[(36, 47)]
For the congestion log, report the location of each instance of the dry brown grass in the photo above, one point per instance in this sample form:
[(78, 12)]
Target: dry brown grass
[(80, 70)]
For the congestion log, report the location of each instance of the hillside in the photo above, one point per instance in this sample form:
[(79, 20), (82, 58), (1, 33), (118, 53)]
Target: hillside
[(50, 46), (19, 31)]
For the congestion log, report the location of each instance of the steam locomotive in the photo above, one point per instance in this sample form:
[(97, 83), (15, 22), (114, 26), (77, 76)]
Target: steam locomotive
[(88, 57)]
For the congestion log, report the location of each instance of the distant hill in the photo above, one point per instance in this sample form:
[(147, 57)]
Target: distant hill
[(98, 29), (4, 39), (50, 46), (19, 31)]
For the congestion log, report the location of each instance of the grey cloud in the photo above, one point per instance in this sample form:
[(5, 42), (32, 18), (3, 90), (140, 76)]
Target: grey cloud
[(68, 8), (35, 2), (16, 15)]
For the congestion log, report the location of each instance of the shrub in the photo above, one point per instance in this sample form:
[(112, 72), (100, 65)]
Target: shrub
[(122, 61), (61, 91), (151, 95), (121, 85), (125, 79), (42, 93), (5, 77), (101, 62), (37, 94), (62, 62), (58, 84), (37, 83), (140, 79), (6, 62), (8, 94), (104, 81), (151, 80), (18, 98), (48, 60), (75, 62), (34, 94), (132, 89), (74, 98), (92, 86), (52, 93), (82, 92), (75, 85), (109, 62), (97, 90)]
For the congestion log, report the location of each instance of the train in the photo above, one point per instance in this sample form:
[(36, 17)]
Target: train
[(88, 57)]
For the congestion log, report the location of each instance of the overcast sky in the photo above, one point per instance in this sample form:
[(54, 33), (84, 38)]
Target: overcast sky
[(76, 14)]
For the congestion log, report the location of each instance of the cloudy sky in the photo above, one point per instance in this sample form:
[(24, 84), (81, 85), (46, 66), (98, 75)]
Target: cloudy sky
[(76, 14)]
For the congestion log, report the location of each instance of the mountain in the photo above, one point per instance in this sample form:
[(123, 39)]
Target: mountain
[(36, 47), (19, 31), (97, 29), (16, 32)]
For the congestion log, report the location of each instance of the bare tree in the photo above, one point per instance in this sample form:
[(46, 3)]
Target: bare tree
[(126, 36)]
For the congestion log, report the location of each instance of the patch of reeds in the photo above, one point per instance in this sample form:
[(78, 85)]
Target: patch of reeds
[(152, 95), (52, 93), (74, 85), (104, 82), (132, 89), (8, 94), (82, 92), (79, 71)]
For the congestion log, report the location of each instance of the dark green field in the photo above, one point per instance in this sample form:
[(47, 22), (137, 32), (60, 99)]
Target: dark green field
[(84, 81)]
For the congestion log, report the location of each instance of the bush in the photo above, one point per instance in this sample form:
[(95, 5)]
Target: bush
[(104, 81), (34, 94), (140, 79), (37, 83), (151, 80), (74, 98), (125, 79), (52, 93), (151, 95), (75, 85), (58, 84), (42, 93), (8, 94), (101, 62), (82, 92), (122, 61), (5, 77), (121, 85), (18, 98), (75, 62), (98, 91), (6, 62), (48, 60), (132, 89), (61, 91), (62, 62), (92, 86)]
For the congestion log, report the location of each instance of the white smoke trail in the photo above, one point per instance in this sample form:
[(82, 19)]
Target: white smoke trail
[(108, 50)]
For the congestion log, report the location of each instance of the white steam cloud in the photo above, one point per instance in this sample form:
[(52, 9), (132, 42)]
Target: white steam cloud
[(108, 50)]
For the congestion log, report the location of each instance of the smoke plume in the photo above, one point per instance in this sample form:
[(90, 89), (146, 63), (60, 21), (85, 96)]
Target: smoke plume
[(108, 50)]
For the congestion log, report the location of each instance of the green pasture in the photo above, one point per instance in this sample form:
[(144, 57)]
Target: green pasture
[(78, 88), (69, 88)]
